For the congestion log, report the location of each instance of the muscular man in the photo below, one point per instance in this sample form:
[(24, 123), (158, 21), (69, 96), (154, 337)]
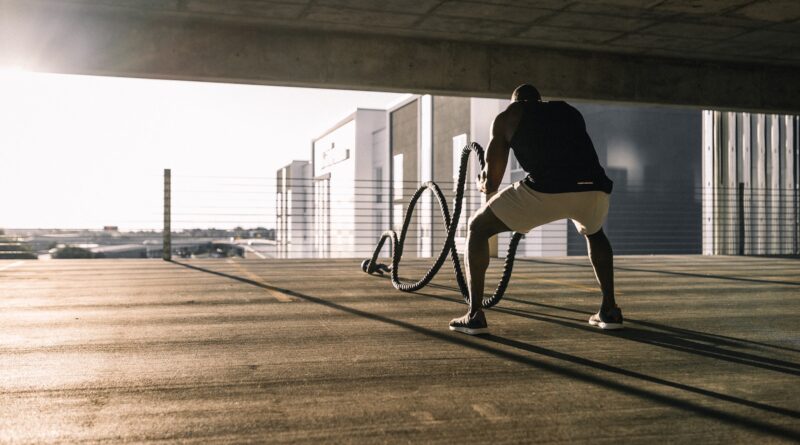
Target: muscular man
[(565, 180)]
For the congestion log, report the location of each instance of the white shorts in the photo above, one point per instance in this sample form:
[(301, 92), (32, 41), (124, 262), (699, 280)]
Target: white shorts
[(521, 208)]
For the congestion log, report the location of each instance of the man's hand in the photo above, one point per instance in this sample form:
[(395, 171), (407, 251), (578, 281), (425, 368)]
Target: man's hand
[(482, 181)]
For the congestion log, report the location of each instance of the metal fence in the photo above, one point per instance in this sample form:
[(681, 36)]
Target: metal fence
[(264, 218), (305, 218)]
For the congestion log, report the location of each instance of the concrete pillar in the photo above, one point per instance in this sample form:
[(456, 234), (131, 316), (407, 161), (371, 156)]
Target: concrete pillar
[(425, 206), (166, 251), (708, 195)]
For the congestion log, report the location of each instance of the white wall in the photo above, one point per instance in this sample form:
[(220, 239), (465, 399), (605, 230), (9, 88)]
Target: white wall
[(349, 154), (334, 154)]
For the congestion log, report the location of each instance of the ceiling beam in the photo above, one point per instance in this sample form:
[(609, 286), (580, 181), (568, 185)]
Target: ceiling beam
[(99, 41)]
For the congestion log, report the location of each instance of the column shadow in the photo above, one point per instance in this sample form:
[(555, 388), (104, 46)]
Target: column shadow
[(668, 272), (688, 333), (683, 340), (485, 345)]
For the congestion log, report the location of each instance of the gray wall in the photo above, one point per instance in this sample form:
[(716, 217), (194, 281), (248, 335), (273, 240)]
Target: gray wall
[(404, 123), (654, 157), (451, 117)]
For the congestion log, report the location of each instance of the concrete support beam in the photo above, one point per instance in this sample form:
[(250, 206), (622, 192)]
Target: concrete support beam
[(94, 40)]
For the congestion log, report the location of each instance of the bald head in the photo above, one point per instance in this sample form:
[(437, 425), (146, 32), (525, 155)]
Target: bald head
[(526, 93)]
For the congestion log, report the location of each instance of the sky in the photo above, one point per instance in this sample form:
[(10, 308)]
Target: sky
[(86, 151)]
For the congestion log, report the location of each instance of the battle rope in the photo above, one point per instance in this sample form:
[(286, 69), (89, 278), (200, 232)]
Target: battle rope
[(371, 266)]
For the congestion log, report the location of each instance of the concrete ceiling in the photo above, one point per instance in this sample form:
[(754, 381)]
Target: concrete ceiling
[(761, 31), (725, 47)]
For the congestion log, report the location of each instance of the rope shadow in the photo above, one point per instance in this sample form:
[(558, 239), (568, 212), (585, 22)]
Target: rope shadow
[(667, 340), (694, 335), (482, 345), (669, 272), (654, 338)]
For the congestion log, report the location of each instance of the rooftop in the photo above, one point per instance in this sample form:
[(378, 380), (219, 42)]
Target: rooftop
[(238, 350)]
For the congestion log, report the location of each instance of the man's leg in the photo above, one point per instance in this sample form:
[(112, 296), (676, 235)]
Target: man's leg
[(482, 226), (602, 257)]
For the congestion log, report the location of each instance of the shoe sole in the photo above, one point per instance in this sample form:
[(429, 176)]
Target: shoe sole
[(607, 326), (470, 331)]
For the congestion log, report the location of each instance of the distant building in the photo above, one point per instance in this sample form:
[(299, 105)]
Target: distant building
[(293, 211), (365, 169), (350, 166)]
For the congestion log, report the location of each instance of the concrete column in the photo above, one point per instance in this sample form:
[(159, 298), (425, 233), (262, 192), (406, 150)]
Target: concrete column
[(708, 183), (773, 183), (425, 172), (745, 178), (166, 252), (789, 191), (759, 152), (730, 183)]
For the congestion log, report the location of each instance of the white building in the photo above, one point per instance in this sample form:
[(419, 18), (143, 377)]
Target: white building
[(350, 186), (293, 210)]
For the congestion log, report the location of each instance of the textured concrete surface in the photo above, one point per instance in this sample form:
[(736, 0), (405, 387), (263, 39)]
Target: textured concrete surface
[(740, 54), (221, 351)]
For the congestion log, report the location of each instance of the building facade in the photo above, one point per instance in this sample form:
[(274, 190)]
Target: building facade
[(751, 168), (350, 165), (293, 211), (365, 169)]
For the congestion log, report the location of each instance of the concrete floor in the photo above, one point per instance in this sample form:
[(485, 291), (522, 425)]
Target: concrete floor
[(218, 351)]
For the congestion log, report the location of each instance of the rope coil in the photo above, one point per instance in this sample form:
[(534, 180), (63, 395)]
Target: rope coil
[(371, 265)]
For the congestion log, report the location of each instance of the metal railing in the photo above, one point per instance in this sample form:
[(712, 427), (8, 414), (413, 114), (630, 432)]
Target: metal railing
[(262, 218)]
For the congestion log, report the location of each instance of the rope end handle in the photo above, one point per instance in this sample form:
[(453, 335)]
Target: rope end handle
[(369, 268)]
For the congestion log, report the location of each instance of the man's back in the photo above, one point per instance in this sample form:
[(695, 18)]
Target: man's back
[(551, 144)]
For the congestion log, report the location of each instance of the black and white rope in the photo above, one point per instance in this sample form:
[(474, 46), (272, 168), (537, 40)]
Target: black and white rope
[(371, 265)]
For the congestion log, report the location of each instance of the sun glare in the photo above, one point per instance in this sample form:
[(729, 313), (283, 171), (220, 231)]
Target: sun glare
[(12, 72)]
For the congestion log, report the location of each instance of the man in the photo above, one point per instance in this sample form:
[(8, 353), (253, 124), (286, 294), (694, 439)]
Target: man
[(565, 180)]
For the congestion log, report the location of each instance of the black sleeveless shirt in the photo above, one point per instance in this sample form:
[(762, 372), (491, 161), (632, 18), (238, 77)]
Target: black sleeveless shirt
[(552, 145)]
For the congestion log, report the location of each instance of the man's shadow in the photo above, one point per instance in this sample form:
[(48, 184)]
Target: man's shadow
[(484, 344), (678, 339)]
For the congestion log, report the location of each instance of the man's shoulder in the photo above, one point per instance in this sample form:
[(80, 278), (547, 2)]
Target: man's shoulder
[(509, 119), (559, 104), (562, 109), (513, 108)]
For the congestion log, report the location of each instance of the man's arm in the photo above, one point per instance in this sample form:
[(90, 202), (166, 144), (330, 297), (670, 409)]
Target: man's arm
[(496, 156)]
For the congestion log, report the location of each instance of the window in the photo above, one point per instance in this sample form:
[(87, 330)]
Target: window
[(377, 185), (458, 144)]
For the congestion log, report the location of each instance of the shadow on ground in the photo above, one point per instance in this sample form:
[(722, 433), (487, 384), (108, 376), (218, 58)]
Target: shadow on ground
[(489, 344)]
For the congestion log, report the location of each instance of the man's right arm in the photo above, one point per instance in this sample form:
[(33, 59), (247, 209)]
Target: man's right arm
[(496, 156)]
